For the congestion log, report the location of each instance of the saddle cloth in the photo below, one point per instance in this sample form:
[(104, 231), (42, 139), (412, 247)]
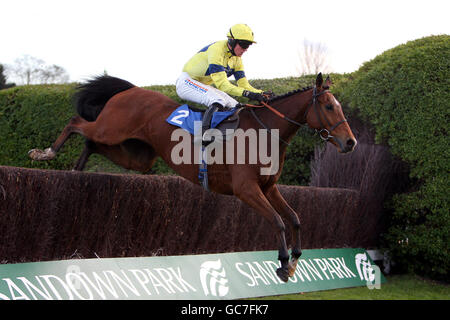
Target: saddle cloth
[(184, 118)]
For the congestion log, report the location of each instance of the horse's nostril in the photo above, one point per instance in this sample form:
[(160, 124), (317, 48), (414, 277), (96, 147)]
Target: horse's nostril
[(350, 143)]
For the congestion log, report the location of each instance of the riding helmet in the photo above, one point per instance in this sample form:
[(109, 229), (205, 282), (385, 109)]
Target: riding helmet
[(240, 33)]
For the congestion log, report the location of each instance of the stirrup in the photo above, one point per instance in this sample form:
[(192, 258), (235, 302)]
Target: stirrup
[(203, 171)]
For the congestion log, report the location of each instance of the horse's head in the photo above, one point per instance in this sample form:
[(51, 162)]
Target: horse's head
[(326, 116)]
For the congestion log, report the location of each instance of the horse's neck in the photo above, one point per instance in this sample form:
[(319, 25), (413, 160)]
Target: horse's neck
[(293, 107)]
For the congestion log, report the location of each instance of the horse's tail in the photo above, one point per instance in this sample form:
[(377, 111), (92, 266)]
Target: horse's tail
[(91, 97)]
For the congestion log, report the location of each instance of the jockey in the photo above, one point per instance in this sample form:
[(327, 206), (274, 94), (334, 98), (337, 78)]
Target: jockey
[(212, 65)]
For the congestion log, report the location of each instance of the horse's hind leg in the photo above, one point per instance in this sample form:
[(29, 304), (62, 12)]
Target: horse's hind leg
[(89, 149), (50, 153), (131, 155), (283, 208)]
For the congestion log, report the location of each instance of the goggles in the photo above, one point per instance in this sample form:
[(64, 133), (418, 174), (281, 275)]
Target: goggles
[(244, 44)]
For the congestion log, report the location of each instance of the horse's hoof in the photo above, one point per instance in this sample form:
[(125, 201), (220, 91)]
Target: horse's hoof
[(39, 155), (283, 274), (34, 153)]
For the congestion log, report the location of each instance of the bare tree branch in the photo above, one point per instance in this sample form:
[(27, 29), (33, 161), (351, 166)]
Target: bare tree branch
[(30, 70), (314, 58), (53, 74)]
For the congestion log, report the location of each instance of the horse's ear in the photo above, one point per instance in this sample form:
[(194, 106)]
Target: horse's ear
[(319, 80), (328, 81)]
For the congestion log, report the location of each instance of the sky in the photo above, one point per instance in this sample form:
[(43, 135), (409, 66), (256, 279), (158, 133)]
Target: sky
[(148, 42)]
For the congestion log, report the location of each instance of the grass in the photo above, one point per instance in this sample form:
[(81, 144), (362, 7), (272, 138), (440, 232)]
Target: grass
[(397, 287)]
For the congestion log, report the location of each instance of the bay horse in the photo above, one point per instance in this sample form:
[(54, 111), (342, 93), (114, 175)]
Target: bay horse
[(126, 124)]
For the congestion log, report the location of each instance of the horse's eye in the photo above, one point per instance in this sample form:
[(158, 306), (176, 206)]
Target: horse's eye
[(329, 107)]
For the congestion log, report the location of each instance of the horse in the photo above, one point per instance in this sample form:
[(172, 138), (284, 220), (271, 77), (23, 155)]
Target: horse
[(126, 124)]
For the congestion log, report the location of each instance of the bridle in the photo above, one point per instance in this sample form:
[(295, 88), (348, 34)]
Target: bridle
[(318, 111)]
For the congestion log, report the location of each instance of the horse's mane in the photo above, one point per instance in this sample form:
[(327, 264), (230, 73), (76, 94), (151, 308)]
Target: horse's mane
[(282, 96), (290, 93)]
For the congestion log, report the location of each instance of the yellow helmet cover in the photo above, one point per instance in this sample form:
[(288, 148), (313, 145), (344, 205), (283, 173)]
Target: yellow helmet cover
[(241, 32)]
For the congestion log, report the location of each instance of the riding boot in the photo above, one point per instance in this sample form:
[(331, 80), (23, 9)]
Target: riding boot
[(206, 122)]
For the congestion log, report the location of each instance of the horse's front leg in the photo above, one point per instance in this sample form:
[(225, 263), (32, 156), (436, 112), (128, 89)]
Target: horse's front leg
[(252, 194), (279, 203)]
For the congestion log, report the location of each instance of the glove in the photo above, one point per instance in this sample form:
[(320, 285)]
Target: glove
[(254, 96)]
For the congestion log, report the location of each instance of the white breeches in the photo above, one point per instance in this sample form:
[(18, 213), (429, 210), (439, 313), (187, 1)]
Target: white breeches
[(195, 91)]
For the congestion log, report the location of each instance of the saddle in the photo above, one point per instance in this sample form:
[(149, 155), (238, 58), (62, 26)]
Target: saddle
[(227, 127)]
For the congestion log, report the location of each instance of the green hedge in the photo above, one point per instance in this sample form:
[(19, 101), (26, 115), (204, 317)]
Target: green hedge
[(33, 117), (404, 93)]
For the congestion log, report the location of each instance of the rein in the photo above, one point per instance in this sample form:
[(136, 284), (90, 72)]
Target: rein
[(318, 112)]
